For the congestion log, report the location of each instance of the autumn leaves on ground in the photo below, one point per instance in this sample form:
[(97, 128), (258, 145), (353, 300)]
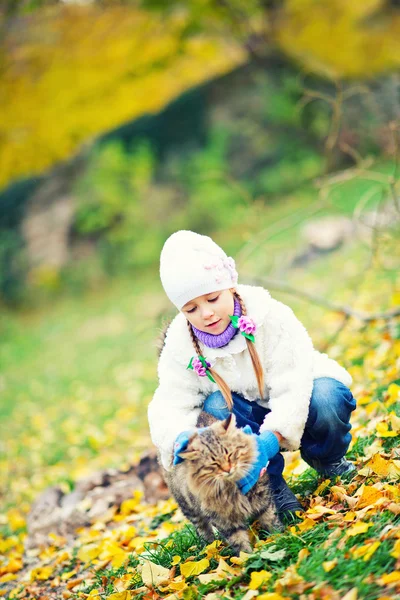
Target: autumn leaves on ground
[(346, 545)]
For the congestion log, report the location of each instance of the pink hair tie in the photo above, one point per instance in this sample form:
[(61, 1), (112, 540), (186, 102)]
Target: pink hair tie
[(201, 366)]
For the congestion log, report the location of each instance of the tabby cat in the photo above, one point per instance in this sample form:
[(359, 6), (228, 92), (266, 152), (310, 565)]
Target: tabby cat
[(204, 484)]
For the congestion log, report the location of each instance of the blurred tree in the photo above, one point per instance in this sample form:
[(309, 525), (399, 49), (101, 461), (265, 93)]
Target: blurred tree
[(70, 72)]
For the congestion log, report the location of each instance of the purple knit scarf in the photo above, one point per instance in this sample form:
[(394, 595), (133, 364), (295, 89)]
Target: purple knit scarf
[(220, 339)]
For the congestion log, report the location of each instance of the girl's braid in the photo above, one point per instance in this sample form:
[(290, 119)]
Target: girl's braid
[(195, 341), (242, 304), (255, 359), (222, 385)]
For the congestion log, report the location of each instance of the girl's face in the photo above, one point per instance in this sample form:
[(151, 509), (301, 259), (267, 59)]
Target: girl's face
[(210, 312)]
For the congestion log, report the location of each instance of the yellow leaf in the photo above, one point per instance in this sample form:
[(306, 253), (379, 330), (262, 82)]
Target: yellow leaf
[(132, 504), (322, 486), (395, 422), (302, 555), (15, 519), (358, 528), (212, 550), (351, 595), (382, 430), (126, 595), (329, 565), (396, 550), (209, 577), (366, 551), (224, 569), (379, 465), (259, 578), (303, 526), (122, 583), (41, 573), (350, 516), (191, 568), (176, 560), (289, 579), (270, 596), (7, 577), (241, 559), (393, 394), (89, 552), (369, 496), (389, 578), (177, 586), (68, 575), (154, 575)]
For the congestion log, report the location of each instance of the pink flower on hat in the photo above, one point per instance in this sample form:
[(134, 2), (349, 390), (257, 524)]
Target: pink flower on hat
[(247, 325)]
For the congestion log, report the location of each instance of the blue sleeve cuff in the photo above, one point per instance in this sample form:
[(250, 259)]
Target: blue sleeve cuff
[(269, 442)]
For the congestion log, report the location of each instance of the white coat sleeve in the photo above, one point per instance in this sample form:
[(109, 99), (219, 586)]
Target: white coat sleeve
[(289, 359), (175, 406)]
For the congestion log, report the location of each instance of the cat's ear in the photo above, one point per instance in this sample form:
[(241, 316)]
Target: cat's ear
[(229, 423)]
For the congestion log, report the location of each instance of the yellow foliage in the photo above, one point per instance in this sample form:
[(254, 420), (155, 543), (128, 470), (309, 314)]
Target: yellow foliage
[(79, 70), (341, 39)]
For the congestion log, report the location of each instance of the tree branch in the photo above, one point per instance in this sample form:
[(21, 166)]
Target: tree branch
[(344, 310)]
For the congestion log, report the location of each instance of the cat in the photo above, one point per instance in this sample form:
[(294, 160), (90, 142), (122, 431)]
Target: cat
[(204, 484)]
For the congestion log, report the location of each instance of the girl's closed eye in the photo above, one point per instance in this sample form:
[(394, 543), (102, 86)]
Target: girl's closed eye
[(213, 299), (191, 310)]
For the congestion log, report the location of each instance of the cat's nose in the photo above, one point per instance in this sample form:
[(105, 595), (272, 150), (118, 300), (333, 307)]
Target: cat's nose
[(226, 467)]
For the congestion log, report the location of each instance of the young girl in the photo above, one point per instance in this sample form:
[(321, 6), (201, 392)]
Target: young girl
[(234, 348)]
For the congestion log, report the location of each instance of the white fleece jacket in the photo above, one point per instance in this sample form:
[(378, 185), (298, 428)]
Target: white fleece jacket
[(288, 358)]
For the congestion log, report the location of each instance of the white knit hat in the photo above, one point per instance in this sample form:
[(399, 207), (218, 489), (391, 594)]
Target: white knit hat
[(192, 265)]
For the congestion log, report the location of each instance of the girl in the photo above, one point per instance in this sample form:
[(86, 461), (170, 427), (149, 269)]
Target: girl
[(233, 348)]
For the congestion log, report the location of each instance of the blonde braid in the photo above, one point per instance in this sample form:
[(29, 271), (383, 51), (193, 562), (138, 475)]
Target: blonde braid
[(255, 359), (222, 385)]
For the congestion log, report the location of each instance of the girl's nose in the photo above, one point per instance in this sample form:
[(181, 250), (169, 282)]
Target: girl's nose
[(207, 313)]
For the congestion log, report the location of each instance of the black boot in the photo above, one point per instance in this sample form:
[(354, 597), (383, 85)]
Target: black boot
[(285, 501), (340, 468)]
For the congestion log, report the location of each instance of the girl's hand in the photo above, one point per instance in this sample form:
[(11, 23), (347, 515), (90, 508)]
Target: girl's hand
[(182, 441), (267, 446)]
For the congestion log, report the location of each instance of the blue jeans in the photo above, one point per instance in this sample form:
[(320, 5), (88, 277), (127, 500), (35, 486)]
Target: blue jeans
[(326, 436)]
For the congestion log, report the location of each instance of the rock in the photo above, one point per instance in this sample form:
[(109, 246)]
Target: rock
[(327, 233), (93, 496)]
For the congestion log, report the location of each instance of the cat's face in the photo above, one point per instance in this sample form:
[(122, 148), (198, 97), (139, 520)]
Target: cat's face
[(219, 454)]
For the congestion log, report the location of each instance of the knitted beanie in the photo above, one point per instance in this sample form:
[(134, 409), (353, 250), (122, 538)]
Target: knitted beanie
[(192, 265)]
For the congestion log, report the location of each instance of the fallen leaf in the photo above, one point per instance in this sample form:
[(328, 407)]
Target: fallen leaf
[(191, 568), (366, 551), (154, 575), (304, 552), (369, 496), (358, 528), (270, 596), (389, 578), (351, 595), (272, 555), (396, 549), (41, 573), (212, 550), (126, 595), (259, 578), (329, 565), (241, 559), (382, 430)]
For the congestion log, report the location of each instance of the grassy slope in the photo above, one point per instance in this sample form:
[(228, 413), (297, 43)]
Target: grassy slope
[(78, 376)]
